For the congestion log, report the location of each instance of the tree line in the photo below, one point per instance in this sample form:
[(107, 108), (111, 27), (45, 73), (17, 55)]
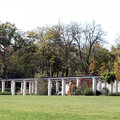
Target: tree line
[(58, 50)]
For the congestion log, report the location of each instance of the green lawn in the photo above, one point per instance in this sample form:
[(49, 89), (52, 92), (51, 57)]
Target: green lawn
[(59, 108)]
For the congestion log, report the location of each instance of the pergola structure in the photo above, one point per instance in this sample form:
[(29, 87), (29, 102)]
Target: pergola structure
[(97, 84), (31, 81), (95, 80)]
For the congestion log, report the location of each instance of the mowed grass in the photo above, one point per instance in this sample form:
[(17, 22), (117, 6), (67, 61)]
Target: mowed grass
[(59, 108)]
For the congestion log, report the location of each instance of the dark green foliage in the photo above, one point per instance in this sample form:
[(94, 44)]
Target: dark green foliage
[(6, 89), (109, 77), (87, 91), (8, 32), (5, 93), (114, 94), (81, 90), (53, 51)]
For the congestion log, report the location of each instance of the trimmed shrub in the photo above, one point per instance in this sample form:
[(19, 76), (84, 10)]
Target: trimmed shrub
[(87, 91), (81, 90), (5, 93), (113, 94), (105, 91), (6, 89)]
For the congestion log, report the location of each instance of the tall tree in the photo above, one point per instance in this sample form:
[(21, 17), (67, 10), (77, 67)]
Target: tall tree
[(85, 37), (8, 34)]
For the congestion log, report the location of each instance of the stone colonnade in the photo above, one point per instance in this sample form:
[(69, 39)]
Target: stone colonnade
[(23, 89), (95, 80), (97, 84), (113, 87)]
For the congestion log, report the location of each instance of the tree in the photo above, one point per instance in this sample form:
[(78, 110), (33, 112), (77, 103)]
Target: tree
[(116, 52), (8, 34), (69, 51), (85, 37), (102, 60), (56, 52)]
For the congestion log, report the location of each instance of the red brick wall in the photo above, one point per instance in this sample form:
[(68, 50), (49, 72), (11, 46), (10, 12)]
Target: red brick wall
[(86, 82)]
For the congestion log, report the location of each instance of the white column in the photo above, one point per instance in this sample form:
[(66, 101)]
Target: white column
[(100, 85), (63, 87), (116, 90), (78, 82), (118, 86), (30, 87), (94, 85), (36, 84), (24, 89), (111, 87), (105, 85), (3, 86), (108, 87), (13, 87), (49, 87), (33, 89), (67, 87), (57, 86)]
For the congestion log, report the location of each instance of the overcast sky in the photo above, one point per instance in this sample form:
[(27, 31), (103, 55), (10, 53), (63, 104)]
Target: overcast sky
[(29, 14)]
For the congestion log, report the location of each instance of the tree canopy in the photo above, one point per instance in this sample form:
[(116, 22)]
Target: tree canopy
[(58, 50)]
